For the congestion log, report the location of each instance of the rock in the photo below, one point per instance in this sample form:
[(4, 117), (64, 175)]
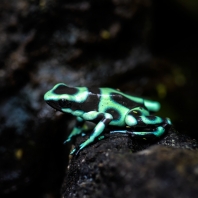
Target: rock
[(120, 166)]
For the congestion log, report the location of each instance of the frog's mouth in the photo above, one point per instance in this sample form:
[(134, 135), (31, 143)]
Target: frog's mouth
[(53, 104)]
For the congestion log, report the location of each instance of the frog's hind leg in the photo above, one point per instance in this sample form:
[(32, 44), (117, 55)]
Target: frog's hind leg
[(140, 118)]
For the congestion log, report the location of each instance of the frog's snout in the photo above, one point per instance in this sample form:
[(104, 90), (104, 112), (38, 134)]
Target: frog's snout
[(46, 96)]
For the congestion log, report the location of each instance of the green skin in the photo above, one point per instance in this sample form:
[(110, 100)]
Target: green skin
[(106, 107)]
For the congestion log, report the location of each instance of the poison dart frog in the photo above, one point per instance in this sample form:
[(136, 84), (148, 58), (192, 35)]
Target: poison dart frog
[(106, 107)]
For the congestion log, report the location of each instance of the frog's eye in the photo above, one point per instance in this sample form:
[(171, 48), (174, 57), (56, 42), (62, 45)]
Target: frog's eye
[(64, 103)]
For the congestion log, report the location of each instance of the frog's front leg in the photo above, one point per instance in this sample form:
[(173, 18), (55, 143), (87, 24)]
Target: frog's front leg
[(105, 119), (76, 130)]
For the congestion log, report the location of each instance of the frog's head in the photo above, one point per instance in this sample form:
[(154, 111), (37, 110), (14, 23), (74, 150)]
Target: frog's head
[(60, 96)]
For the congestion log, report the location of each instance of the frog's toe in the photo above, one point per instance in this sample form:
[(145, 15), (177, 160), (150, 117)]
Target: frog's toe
[(83, 145), (168, 121), (73, 151), (66, 141), (78, 149)]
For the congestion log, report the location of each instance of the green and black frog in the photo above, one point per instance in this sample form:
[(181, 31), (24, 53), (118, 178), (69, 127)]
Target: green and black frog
[(106, 107)]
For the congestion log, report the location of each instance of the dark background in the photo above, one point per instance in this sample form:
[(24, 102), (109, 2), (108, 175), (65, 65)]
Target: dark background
[(146, 48)]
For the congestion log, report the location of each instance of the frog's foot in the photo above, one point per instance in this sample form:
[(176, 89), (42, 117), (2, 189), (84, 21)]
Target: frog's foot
[(69, 139), (83, 145), (86, 143), (74, 151), (158, 131), (76, 131)]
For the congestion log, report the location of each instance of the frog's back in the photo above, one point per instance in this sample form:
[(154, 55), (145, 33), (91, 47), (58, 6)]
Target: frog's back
[(127, 100), (101, 99)]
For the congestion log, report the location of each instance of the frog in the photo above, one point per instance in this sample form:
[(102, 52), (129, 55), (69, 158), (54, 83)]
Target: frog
[(106, 107)]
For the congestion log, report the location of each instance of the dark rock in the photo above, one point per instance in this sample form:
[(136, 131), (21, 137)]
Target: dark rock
[(121, 166)]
